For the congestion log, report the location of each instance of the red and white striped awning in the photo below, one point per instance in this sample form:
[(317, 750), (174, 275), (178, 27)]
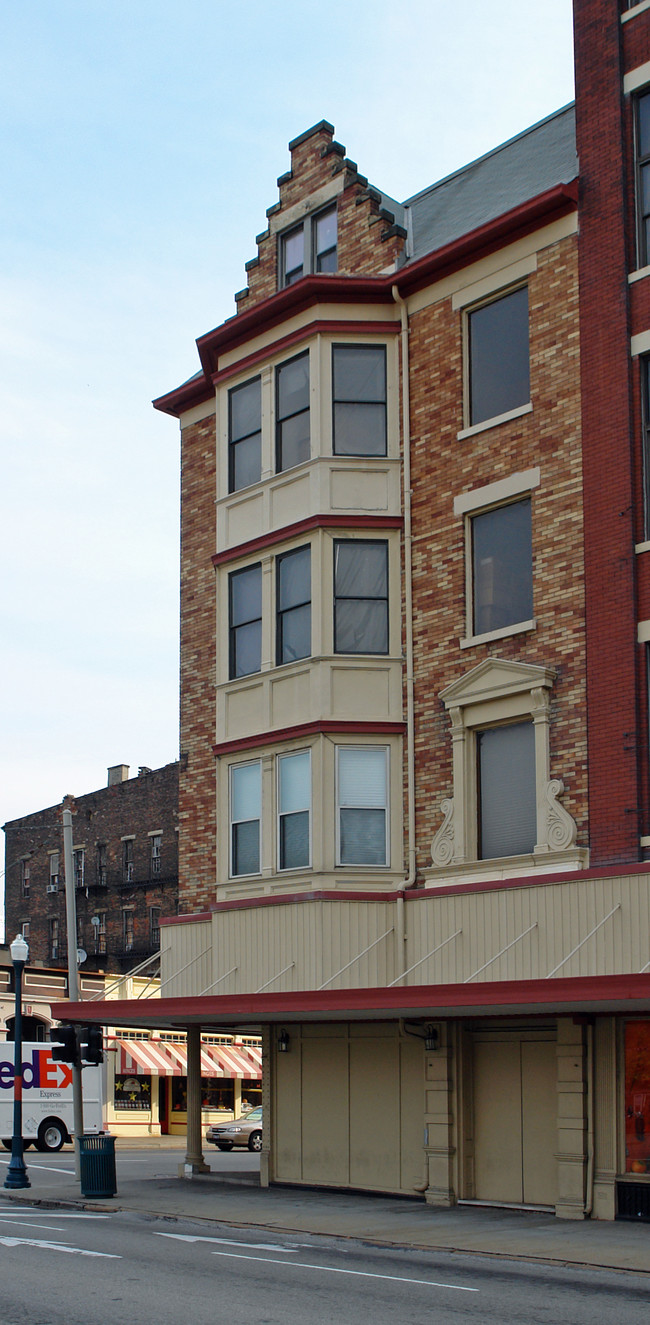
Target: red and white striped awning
[(145, 1058), (220, 1060)]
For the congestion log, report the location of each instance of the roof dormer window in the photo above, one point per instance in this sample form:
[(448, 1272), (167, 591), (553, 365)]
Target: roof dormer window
[(310, 247)]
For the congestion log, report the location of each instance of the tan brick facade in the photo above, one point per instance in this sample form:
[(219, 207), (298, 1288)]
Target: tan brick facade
[(444, 466), (197, 798)]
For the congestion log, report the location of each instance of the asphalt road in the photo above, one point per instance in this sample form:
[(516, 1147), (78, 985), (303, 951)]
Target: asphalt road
[(75, 1268)]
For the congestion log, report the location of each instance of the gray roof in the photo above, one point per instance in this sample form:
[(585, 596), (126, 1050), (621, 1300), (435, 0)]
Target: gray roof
[(518, 170)]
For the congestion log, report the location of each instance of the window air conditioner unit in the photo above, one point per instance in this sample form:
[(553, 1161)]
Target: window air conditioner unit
[(52, 888)]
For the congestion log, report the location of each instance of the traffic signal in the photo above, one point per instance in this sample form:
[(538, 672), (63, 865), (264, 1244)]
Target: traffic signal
[(64, 1047), (92, 1045)]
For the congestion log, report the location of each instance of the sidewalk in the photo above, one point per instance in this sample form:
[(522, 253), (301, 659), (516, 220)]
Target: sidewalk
[(235, 1198)]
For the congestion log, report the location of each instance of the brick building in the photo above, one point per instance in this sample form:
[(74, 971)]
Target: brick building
[(125, 868), (414, 805)]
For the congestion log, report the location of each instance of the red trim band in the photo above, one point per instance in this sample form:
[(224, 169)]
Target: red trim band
[(304, 527), (315, 328), (322, 727)]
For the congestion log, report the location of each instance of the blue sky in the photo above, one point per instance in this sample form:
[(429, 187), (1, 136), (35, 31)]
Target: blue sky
[(140, 147)]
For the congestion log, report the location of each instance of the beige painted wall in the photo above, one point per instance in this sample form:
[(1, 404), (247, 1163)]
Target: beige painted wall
[(303, 944)]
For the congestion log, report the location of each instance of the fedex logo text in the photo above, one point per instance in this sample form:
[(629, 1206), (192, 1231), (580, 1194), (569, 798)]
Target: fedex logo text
[(38, 1072)]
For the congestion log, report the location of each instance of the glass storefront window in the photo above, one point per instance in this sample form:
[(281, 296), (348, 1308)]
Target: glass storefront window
[(637, 1097), (216, 1093), (132, 1092)]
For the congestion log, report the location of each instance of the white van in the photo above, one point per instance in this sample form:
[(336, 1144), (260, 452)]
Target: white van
[(47, 1097)]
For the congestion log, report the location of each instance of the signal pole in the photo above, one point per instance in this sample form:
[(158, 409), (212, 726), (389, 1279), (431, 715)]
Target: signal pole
[(73, 981)]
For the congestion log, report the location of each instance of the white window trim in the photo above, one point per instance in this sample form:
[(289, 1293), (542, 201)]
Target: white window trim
[(352, 745), (636, 78), (496, 494), (491, 296), (641, 272), (291, 869), (491, 497), (494, 422), (244, 763), (498, 691), (497, 282), (637, 9)]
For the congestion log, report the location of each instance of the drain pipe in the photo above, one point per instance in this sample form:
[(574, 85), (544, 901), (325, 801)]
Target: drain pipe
[(409, 881), (408, 588)]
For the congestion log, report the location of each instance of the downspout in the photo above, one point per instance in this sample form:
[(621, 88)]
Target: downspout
[(408, 589), (409, 881)]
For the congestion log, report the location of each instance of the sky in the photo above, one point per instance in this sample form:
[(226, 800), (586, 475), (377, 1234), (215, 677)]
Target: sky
[(140, 144)]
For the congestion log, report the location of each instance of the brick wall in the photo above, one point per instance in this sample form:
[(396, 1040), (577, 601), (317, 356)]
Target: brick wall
[(136, 807), (197, 823), (367, 240), (442, 468), (616, 742)]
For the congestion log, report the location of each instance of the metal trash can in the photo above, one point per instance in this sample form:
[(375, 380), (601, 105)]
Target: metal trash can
[(97, 1164)]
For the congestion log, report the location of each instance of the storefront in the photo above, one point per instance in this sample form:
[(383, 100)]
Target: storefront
[(147, 1081)]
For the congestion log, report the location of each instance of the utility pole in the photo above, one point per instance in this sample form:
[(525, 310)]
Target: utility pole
[(73, 981)]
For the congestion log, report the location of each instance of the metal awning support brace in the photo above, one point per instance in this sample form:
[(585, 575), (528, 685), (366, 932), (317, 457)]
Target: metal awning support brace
[(584, 940), (500, 954), (358, 957), (275, 977), (424, 959), (218, 982)]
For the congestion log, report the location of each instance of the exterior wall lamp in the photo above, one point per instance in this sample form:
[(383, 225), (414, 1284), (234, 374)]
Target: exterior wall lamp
[(283, 1042), (17, 1172), (429, 1033)]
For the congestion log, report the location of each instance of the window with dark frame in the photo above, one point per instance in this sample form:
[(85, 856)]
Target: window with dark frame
[(245, 435), (324, 240), (245, 818), (292, 255), (154, 926), (156, 853), (507, 795), (642, 147), (360, 596), (127, 860), (499, 367), (292, 412), (102, 868), (53, 937), (25, 877), (100, 931), (359, 400), (294, 810), (293, 605), (644, 366), (127, 929), (78, 858), (54, 869), (362, 805), (245, 621), (502, 567), (311, 247)]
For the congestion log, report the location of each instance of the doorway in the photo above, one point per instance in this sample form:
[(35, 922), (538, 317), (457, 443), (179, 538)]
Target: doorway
[(515, 1117)]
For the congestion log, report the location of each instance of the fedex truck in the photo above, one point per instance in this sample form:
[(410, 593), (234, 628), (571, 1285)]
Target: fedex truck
[(47, 1097)]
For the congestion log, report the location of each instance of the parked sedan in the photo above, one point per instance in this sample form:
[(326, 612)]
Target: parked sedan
[(245, 1132)]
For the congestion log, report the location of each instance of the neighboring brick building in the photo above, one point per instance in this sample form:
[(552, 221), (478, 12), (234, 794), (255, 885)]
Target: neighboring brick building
[(125, 866), (414, 805)]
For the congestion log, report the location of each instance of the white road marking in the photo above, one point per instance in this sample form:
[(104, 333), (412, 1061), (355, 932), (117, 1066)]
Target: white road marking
[(362, 1274), (228, 1242), (44, 1168), (56, 1228), (60, 1214), (56, 1246)]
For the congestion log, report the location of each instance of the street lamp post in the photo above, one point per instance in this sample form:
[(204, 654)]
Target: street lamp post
[(17, 1172)]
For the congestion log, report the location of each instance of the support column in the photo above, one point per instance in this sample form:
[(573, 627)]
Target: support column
[(605, 1119), (268, 1066), (194, 1161), (439, 1150), (571, 1121)]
